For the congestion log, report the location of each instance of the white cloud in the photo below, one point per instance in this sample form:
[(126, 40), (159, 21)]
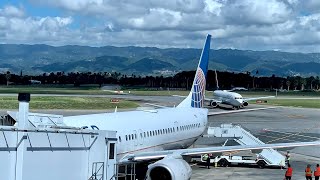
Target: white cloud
[(262, 12), (169, 19), (11, 11), (213, 7), (247, 24)]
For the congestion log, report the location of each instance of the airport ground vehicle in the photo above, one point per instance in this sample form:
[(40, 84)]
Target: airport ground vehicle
[(225, 161)]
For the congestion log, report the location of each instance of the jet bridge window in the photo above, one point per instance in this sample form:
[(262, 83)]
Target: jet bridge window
[(111, 150)]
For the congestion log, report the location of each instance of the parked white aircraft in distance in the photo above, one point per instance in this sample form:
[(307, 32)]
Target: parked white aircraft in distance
[(239, 89), (34, 81), (230, 98), (166, 132), (117, 91)]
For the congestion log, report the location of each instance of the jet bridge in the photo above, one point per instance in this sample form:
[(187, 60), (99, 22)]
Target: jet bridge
[(242, 136), (41, 146)]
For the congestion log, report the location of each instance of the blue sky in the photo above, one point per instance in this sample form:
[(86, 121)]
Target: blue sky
[(285, 25)]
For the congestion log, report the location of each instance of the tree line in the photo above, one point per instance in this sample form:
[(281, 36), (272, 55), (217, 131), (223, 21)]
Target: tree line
[(184, 79)]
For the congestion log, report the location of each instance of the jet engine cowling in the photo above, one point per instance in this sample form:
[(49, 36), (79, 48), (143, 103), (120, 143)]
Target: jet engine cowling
[(245, 103), (169, 169), (213, 104)]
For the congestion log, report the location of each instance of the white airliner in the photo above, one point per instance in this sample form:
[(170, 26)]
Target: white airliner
[(230, 98), (165, 133)]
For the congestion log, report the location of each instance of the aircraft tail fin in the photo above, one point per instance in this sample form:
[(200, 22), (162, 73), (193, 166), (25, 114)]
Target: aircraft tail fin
[(197, 93)]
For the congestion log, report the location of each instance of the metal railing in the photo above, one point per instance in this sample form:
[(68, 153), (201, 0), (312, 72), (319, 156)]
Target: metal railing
[(97, 171)]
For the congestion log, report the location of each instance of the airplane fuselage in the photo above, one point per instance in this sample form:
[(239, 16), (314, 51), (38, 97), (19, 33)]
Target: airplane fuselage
[(230, 98), (152, 130)]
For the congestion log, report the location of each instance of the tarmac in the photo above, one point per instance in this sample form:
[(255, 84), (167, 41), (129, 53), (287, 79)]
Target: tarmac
[(271, 126)]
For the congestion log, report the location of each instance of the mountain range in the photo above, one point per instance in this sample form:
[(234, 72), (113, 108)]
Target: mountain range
[(35, 59)]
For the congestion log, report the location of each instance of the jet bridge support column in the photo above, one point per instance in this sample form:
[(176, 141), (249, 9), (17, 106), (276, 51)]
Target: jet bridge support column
[(23, 122)]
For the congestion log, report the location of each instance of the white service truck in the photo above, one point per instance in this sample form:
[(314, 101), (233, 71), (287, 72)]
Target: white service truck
[(225, 161)]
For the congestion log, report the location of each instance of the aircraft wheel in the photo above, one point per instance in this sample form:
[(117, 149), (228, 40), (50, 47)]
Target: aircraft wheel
[(261, 164), (223, 163)]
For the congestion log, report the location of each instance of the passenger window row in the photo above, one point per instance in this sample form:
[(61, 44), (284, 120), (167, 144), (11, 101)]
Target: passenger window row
[(190, 126), (146, 134)]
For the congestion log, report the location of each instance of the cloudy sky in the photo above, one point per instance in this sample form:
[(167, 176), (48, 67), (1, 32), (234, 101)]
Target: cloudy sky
[(286, 25)]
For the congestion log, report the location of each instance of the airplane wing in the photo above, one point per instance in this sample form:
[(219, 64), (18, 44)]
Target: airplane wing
[(156, 105), (238, 111), (143, 156), (256, 98), (206, 99), (212, 99)]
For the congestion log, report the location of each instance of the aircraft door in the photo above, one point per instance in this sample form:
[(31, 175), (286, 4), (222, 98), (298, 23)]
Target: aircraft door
[(135, 139), (176, 124), (140, 137)]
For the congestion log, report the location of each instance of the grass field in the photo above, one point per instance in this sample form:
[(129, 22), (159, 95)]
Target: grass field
[(104, 103), (52, 90), (95, 90), (66, 103), (309, 103), (273, 93)]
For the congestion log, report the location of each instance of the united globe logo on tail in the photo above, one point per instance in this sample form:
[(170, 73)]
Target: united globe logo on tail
[(199, 86)]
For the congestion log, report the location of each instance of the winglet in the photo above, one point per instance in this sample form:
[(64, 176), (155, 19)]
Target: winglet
[(196, 96)]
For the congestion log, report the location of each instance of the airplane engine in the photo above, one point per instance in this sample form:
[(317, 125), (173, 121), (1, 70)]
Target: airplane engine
[(169, 169), (213, 104), (245, 103)]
